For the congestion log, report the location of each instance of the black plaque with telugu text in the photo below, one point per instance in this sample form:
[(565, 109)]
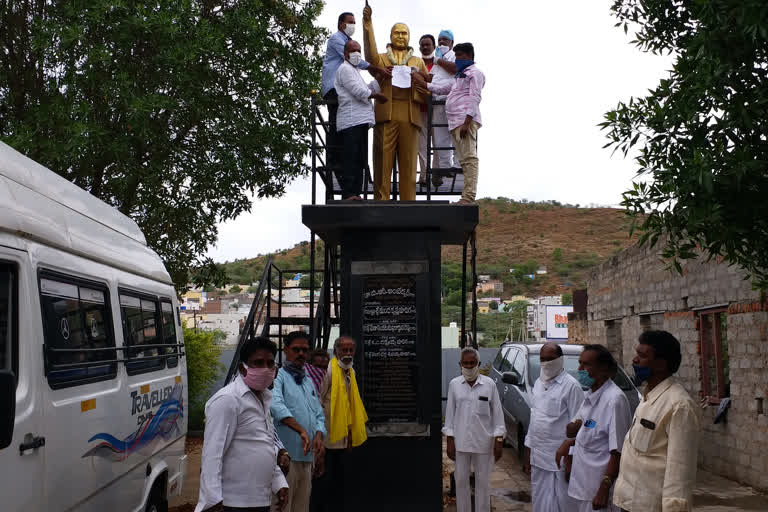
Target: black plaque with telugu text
[(390, 384)]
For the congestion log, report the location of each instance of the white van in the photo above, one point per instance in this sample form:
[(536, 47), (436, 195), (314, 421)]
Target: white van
[(92, 366)]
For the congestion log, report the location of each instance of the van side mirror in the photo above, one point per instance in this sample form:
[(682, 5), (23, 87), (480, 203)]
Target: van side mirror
[(7, 407), (510, 378)]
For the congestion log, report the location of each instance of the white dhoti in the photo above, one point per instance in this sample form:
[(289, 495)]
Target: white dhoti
[(549, 491), (586, 506), (441, 138), (483, 464)]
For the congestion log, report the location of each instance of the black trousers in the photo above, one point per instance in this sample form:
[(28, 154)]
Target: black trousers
[(328, 491), (333, 143), (350, 176)]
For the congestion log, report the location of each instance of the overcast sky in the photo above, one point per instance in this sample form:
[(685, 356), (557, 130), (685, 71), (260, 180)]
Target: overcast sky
[(552, 69)]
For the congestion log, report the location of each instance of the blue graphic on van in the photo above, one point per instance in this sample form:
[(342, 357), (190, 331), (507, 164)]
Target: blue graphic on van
[(163, 424)]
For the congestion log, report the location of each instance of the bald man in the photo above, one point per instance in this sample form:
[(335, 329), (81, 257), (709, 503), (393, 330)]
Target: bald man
[(557, 397), (398, 121)]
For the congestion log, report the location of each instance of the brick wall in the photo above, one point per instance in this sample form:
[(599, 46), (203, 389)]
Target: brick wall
[(577, 328), (634, 291)]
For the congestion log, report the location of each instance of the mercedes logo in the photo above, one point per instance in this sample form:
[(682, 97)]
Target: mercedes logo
[(64, 328)]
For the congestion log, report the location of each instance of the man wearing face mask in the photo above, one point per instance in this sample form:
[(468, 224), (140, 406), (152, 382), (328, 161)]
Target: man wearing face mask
[(353, 119), (239, 470), (474, 428), (345, 419), (442, 161), (599, 428), (334, 57), (658, 463), (557, 397), (299, 420)]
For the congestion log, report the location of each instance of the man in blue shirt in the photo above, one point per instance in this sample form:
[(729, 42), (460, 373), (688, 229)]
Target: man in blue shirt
[(299, 420), (334, 57)]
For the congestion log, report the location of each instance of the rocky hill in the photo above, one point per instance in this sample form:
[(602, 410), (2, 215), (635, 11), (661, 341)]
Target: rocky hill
[(523, 236)]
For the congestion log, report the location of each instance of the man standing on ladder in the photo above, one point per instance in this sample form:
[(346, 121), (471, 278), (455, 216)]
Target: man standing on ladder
[(441, 138)]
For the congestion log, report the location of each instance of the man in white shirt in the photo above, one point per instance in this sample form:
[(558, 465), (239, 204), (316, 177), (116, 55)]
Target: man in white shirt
[(441, 137), (239, 463), (658, 466), (600, 426), (354, 117), (474, 427), (557, 397)]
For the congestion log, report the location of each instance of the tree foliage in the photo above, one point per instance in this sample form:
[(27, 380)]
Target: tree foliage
[(702, 133), (172, 112)]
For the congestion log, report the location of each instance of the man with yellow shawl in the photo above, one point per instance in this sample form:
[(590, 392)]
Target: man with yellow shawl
[(345, 419)]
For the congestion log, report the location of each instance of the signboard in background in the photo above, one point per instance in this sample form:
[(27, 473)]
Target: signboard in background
[(557, 322)]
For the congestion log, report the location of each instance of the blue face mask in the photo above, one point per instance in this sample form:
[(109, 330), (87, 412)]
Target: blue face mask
[(584, 379), (462, 64), (642, 373)]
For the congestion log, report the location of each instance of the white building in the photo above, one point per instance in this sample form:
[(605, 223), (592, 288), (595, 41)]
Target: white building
[(537, 315)]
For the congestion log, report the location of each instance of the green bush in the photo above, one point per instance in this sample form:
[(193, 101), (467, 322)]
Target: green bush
[(203, 367)]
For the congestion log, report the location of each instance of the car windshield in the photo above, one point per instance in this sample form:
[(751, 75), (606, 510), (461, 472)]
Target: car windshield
[(571, 364)]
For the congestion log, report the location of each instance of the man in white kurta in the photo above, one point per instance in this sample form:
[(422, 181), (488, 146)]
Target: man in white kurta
[(605, 418), (557, 397), (474, 427)]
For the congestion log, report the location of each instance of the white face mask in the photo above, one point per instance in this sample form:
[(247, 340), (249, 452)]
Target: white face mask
[(470, 374), (349, 29), (444, 49), (551, 369), (430, 56), (346, 362), (355, 58)]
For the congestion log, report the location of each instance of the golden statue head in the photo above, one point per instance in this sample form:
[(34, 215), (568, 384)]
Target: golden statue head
[(400, 36)]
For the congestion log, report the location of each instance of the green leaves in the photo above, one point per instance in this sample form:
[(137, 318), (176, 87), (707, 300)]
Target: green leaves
[(702, 134), (173, 112)]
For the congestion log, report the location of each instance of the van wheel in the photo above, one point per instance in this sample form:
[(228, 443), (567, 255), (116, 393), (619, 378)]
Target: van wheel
[(156, 501)]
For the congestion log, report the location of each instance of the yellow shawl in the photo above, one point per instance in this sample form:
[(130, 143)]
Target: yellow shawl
[(346, 417)]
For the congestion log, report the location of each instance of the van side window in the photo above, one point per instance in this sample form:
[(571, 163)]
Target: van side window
[(169, 332), (78, 324), (8, 319), (141, 328)]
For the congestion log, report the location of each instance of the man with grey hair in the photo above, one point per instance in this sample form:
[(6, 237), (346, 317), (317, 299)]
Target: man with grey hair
[(474, 427), (557, 397), (345, 419)]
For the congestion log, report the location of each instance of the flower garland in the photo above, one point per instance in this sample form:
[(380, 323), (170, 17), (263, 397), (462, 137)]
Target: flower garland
[(394, 62)]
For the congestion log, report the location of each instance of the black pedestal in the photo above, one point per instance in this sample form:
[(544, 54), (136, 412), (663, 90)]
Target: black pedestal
[(390, 272)]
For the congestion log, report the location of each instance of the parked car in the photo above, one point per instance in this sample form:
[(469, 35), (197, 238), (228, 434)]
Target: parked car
[(515, 370)]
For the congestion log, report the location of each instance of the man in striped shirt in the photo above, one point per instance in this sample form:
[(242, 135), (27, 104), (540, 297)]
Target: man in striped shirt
[(462, 107)]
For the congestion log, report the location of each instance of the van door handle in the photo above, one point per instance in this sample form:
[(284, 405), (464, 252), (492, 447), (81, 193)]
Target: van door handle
[(31, 442)]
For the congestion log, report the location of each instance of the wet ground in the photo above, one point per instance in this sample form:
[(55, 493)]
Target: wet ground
[(511, 488)]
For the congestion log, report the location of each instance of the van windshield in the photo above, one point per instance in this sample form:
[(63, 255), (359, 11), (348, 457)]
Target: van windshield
[(571, 365)]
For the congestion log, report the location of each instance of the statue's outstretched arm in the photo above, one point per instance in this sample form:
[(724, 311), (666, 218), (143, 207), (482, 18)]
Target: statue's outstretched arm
[(369, 39)]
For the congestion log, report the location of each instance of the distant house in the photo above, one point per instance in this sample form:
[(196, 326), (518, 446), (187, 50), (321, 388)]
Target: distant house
[(491, 286), (542, 270)]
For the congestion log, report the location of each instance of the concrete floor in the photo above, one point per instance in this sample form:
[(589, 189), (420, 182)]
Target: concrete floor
[(511, 488)]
